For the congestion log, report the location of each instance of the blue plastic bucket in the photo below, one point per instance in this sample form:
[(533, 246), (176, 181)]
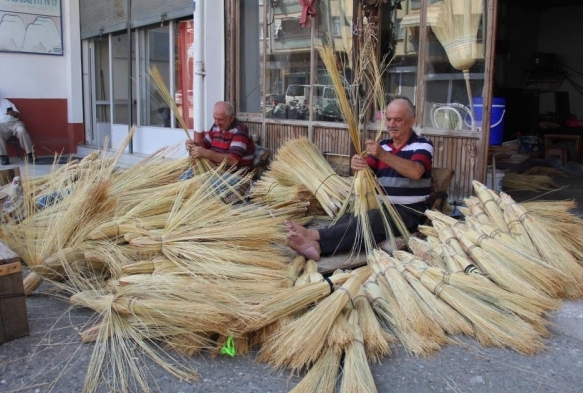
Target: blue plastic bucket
[(496, 118)]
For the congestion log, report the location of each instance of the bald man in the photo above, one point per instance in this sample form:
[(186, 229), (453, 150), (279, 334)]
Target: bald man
[(402, 165), (228, 140)]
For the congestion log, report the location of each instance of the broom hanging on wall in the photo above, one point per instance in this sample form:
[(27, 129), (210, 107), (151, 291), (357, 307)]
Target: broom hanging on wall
[(457, 30)]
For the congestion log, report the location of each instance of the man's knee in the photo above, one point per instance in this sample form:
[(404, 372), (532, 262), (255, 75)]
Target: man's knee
[(20, 130)]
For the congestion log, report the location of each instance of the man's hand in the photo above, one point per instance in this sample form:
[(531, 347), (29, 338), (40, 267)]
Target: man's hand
[(374, 148), (199, 152), (13, 113), (358, 163), (189, 145)]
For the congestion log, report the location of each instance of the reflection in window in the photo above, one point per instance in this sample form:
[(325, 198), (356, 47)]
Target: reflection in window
[(101, 66), (250, 73), (184, 67), (121, 79), (155, 50), (295, 83), (455, 63)]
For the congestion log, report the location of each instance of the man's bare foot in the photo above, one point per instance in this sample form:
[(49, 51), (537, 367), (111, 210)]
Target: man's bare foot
[(311, 234), (307, 247)]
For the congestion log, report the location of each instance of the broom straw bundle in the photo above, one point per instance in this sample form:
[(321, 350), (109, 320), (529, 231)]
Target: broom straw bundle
[(299, 161), (532, 310), (376, 340), (565, 226), (357, 376), (517, 264), (387, 311), (438, 311), (423, 250), (492, 326), (293, 347), (490, 206), (552, 252), (405, 297), (365, 186)]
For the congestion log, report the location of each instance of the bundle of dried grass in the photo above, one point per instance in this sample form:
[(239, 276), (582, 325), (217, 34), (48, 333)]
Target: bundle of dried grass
[(542, 170), (565, 226), (295, 348), (357, 376), (508, 275), (376, 340), (407, 300), (523, 182), (387, 311), (423, 250), (299, 161), (492, 326), (490, 206), (552, 251), (531, 310), (438, 311), (202, 164), (365, 186)]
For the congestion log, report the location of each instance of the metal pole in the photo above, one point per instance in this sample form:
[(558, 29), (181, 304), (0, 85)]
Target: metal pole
[(199, 68), (130, 98)]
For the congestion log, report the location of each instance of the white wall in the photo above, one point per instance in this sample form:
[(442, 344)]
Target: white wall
[(72, 52), (214, 57), (48, 76)]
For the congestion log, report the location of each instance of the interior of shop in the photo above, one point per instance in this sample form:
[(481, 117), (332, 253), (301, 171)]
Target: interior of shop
[(539, 74)]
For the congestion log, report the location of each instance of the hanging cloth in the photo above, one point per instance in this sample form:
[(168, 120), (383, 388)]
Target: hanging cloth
[(307, 9)]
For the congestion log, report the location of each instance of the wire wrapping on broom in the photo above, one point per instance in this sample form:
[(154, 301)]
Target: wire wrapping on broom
[(324, 181)]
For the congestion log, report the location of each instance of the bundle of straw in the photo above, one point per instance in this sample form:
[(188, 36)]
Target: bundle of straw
[(357, 376), (552, 251), (299, 161), (293, 346), (521, 182), (492, 326), (438, 311)]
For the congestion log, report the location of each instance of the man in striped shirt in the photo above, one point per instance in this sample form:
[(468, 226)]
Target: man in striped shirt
[(402, 164), (227, 140)]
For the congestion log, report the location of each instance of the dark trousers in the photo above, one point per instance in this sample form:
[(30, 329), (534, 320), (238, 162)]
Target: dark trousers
[(342, 236)]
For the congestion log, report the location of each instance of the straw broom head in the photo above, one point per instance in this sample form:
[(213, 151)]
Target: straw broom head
[(357, 376), (493, 327), (438, 311)]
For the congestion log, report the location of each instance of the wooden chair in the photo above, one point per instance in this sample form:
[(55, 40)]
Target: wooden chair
[(440, 181)]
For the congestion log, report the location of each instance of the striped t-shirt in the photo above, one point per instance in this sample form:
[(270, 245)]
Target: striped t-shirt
[(236, 142), (400, 189)]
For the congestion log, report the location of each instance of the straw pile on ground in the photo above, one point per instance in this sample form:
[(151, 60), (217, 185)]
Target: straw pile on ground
[(168, 266)]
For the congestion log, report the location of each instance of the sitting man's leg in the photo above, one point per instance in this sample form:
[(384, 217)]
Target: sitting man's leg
[(346, 234), (5, 133), (20, 132)]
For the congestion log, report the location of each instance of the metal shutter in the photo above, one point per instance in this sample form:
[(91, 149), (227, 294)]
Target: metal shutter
[(102, 16), (107, 16), (147, 12)]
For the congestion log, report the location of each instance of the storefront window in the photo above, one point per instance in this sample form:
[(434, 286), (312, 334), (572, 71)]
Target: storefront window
[(295, 83), (155, 52), (454, 68), (122, 81), (101, 82)]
